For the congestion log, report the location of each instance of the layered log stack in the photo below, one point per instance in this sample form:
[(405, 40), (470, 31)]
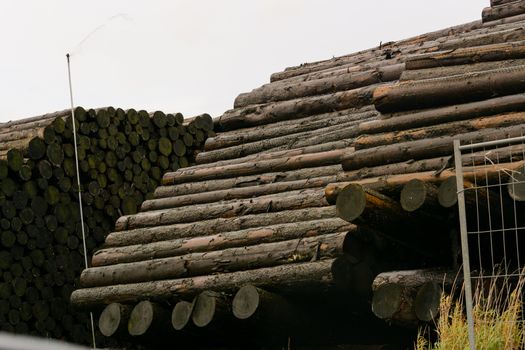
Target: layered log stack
[(263, 205), (122, 156)]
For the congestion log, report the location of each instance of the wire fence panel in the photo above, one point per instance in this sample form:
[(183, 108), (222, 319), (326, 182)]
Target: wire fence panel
[(491, 199)]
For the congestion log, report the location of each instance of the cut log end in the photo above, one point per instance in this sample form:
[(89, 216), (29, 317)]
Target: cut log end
[(110, 319), (245, 302), (386, 301), (351, 202), (204, 309), (428, 298), (141, 318), (181, 314), (516, 188), (447, 195), (413, 195)]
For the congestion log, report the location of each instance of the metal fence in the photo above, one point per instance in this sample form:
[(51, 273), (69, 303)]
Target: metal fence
[(491, 190)]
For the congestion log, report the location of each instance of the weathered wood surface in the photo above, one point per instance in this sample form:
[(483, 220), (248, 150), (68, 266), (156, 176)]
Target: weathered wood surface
[(449, 90), (500, 2), (290, 90), (227, 260), (266, 234), (294, 109), (307, 276), (506, 20), (501, 11), (418, 119), (467, 55), (251, 168), (215, 226)]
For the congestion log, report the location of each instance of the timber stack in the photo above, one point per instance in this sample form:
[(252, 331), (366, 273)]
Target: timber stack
[(327, 201), (122, 157)]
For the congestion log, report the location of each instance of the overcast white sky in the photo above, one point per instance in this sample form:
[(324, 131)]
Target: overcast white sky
[(190, 56)]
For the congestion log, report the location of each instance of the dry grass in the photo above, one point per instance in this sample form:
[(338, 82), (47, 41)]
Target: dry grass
[(497, 320)]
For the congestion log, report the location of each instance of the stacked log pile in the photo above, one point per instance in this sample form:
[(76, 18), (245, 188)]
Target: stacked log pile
[(122, 156), (317, 183)]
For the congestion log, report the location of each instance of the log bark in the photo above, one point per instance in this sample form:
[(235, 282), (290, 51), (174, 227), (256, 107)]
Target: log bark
[(252, 168), (417, 194), (422, 149), (500, 2), (445, 114), (449, 90), (451, 128), (502, 11), (467, 56), (304, 276), (181, 314), (408, 297), (294, 109), (506, 20), (509, 33), (235, 193), (290, 90), (162, 249), (114, 319), (269, 131), (270, 203), (214, 226)]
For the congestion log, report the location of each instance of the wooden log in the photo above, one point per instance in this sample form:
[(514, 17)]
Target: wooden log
[(516, 186), (408, 297), (181, 314), (449, 90), (303, 139), (505, 20), (268, 131), (424, 118), (422, 149), (252, 168), (467, 56), (235, 193), (272, 233), (457, 127), (417, 194), (208, 306), (145, 316), (214, 226), (294, 109), (286, 91), (253, 302), (507, 33), (304, 276), (502, 11), (500, 2), (114, 319)]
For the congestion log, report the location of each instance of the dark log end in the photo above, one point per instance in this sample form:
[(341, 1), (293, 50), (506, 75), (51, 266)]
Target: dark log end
[(428, 298), (110, 319), (413, 195), (351, 202), (181, 314), (204, 309), (245, 302), (386, 301), (447, 194), (141, 318)]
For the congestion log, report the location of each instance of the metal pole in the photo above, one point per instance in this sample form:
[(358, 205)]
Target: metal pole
[(464, 243), (79, 188)]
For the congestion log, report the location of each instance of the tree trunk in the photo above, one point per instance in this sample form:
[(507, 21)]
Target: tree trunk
[(114, 319), (209, 306), (290, 90), (304, 276), (467, 56), (181, 314), (272, 233), (444, 114), (408, 297), (294, 109), (514, 33), (214, 226), (144, 317), (417, 195), (449, 90), (502, 11), (269, 131), (422, 149), (451, 128), (500, 2), (253, 302), (505, 20), (252, 168)]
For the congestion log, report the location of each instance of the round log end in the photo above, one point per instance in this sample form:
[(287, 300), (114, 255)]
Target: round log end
[(428, 298), (110, 319), (413, 195), (516, 188), (181, 314), (141, 318), (447, 194), (245, 302), (204, 309), (351, 202), (386, 301)]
